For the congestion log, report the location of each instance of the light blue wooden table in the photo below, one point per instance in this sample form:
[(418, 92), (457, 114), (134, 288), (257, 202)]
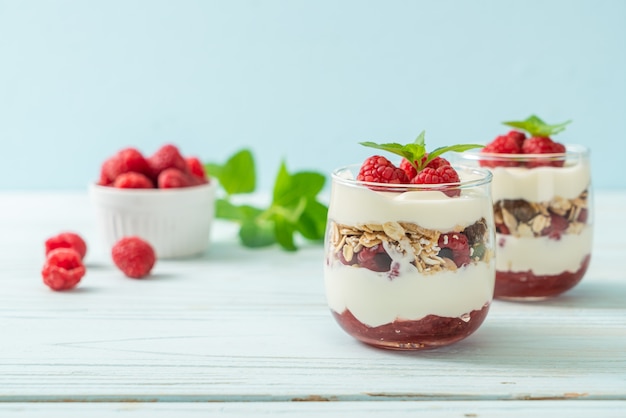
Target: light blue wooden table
[(247, 333)]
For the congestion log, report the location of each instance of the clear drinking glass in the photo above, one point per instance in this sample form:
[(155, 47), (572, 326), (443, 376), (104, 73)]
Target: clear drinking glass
[(543, 214), (407, 266)]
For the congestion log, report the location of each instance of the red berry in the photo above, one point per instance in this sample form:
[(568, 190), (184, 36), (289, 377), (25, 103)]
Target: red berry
[(458, 244), (444, 174), (133, 180), (172, 178), (374, 258), (412, 172), (124, 161), (378, 169), (168, 156), (63, 269), (67, 240), (517, 136), (196, 169), (503, 144), (134, 256), (543, 145)]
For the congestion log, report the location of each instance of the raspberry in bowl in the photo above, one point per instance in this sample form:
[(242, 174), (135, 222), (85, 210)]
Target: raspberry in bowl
[(166, 199), (542, 203), (409, 258)]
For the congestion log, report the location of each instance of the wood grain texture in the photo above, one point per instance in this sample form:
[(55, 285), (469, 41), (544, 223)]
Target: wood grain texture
[(240, 325)]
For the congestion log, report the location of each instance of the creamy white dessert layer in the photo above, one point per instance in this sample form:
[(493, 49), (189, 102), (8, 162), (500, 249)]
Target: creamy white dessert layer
[(429, 209), (375, 299), (540, 184), (542, 255)]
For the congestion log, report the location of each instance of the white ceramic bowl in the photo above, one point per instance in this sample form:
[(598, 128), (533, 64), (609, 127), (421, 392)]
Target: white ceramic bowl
[(176, 222)]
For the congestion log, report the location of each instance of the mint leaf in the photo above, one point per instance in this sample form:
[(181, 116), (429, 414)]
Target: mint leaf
[(284, 229), (237, 175), (415, 151), (535, 126), (255, 233), (294, 207), (312, 222), (452, 148), (412, 152), (289, 189)]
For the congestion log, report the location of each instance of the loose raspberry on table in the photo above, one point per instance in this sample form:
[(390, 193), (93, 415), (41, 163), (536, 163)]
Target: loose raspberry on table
[(134, 256), (412, 172), (133, 180), (444, 174), (63, 269), (458, 244), (124, 161), (197, 170), (67, 240), (378, 169), (172, 178), (168, 156)]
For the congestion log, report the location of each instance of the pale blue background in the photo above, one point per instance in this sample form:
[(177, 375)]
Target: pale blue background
[(299, 80)]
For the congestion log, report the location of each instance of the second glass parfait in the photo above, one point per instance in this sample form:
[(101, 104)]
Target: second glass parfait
[(410, 266), (542, 201)]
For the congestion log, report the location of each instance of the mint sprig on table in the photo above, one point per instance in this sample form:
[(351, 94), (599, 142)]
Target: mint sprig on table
[(294, 208), (415, 151), (537, 127)]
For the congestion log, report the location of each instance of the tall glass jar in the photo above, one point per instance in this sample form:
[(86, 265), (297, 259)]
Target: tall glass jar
[(407, 266), (543, 214)]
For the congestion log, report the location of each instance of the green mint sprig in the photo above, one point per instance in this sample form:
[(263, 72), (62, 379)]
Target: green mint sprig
[(537, 127), (294, 208), (415, 151)]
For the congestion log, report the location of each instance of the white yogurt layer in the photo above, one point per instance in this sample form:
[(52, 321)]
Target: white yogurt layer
[(429, 209), (375, 299), (542, 255), (540, 184)]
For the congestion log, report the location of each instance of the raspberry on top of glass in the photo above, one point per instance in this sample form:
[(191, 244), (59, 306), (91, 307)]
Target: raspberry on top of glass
[(416, 167), (541, 194), (409, 248), (536, 138)]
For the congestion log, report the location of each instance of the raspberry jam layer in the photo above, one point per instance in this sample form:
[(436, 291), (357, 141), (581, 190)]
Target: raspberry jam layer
[(429, 332), (528, 286)]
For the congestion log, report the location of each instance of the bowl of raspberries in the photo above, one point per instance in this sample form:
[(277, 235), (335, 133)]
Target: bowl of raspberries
[(165, 198)]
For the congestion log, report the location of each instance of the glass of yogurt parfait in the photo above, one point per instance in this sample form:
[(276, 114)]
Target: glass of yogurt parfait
[(409, 249), (542, 200)]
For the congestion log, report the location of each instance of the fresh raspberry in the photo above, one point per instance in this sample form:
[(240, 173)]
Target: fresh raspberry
[(374, 258), (168, 156), (412, 172), (124, 161), (444, 174), (172, 178), (196, 169), (510, 143), (63, 269), (517, 136), (67, 240), (543, 145), (133, 180), (503, 144), (378, 169), (458, 244), (134, 256)]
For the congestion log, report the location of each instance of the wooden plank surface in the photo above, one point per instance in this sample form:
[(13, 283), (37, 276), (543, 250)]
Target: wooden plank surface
[(240, 325)]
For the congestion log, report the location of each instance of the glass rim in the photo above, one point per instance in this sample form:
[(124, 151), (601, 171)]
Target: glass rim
[(484, 177), (572, 151)]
